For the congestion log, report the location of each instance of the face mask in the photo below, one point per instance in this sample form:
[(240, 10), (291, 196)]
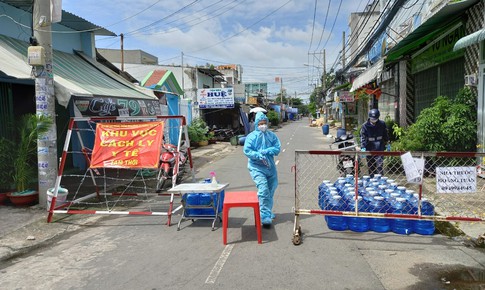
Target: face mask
[(263, 128)]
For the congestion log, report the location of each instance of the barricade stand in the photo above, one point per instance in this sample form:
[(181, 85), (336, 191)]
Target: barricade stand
[(115, 160), (452, 182)]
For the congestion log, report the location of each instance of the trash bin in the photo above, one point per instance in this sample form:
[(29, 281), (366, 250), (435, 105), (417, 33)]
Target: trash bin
[(61, 196), (325, 129)]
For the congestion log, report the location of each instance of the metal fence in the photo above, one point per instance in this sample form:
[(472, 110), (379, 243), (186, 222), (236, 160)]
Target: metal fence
[(452, 186), (120, 189)]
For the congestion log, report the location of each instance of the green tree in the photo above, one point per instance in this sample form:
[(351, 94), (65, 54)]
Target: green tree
[(448, 125)]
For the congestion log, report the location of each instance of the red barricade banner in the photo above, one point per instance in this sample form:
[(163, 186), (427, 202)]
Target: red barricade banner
[(127, 145)]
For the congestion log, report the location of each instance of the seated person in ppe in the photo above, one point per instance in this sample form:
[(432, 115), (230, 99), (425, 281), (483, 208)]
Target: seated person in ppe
[(374, 137), (260, 147)]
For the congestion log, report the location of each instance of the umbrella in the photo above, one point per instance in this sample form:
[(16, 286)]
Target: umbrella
[(257, 109)]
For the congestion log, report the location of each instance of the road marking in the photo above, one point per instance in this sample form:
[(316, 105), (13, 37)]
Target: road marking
[(219, 264), (277, 161)]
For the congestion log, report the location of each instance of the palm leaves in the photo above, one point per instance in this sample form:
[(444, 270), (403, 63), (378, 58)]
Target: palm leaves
[(31, 126)]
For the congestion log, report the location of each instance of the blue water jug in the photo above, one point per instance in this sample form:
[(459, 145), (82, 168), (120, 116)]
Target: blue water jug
[(369, 196), (393, 186), (401, 190), (383, 180), (377, 177), (191, 199), (357, 224), (380, 225), (336, 223), (335, 184), (392, 198), (408, 194), (349, 178), (349, 193), (325, 129), (381, 190), (425, 227), (327, 197), (322, 189), (401, 226), (365, 180), (206, 199), (387, 193), (340, 186)]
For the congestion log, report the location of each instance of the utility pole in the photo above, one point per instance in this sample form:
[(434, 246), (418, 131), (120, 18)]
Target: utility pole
[(122, 52), (45, 101), (343, 66), (182, 67), (324, 88)]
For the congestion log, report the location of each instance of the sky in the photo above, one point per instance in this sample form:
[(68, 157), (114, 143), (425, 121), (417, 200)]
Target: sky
[(269, 38)]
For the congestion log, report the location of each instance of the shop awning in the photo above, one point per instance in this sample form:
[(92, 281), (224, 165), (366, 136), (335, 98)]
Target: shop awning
[(434, 25), (470, 39), (368, 76), (73, 74)]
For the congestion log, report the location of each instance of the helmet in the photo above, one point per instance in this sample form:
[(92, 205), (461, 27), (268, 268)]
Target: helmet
[(374, 114)]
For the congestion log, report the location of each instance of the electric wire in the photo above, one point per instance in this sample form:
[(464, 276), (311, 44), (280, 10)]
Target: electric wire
[(197, 21), (313, 24), (163, 18), (246, 28)]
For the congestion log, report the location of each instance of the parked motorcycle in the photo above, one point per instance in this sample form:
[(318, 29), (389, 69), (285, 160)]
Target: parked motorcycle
[(172, 162), (345, 164)]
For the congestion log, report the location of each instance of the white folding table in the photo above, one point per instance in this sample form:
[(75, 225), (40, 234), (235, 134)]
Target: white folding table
[(188, 188)]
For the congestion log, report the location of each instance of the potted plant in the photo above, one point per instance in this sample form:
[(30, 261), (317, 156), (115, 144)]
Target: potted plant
[(30, 127), (6, 168), (198, 132)]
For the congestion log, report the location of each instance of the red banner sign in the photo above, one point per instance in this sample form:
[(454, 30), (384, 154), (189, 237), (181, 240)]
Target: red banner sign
[(127, 145)]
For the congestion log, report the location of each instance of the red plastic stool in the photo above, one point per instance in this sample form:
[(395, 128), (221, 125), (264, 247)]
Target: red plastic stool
[(241, 199)]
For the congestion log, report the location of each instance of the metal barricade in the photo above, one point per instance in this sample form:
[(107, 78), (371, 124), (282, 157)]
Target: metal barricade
[(452, 182)]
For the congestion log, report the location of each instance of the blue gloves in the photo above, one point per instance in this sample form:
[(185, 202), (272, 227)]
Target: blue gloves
[(388, 147), (363, 149)]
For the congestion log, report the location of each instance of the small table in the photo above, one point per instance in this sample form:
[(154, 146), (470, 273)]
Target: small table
[(188, 188)]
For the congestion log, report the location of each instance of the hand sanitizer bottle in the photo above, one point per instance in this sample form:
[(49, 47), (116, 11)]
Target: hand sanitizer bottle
[(213, 179)]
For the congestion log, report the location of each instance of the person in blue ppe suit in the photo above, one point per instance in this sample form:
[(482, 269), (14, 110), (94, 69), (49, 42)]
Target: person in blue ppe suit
[(260, 147), (374, 137)]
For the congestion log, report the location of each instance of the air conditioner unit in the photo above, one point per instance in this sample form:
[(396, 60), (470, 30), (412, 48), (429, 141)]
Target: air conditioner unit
[(471, 80)]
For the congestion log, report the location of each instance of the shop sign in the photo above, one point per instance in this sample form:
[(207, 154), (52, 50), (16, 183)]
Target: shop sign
[(346, 97), (215, 98), (378, 49), (102, 106), (439, 52), (456, 179)]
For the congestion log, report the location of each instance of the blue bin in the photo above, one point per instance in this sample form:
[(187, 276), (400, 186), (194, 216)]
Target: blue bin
[(241, 140), (341, 132), (325, 129)]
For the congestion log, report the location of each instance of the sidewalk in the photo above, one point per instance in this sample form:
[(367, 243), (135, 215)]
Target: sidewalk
[(23, 229)]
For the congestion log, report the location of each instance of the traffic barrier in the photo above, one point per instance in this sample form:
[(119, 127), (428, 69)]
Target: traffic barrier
[(451, 182)]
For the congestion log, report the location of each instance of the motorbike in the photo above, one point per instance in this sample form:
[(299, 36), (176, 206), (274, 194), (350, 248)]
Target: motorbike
[(345, 163), (172, 162)]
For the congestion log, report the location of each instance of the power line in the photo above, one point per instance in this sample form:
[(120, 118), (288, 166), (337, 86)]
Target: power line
[(324, 25), (164, 18), (246, 28), (313, 24)]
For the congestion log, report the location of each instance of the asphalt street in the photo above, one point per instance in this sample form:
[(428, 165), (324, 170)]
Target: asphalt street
[(140, 252)]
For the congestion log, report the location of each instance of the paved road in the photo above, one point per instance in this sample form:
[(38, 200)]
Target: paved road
[(142, 253)]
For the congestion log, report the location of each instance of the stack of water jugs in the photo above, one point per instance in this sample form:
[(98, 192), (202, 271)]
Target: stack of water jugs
[(375, 195), (203, 204)]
